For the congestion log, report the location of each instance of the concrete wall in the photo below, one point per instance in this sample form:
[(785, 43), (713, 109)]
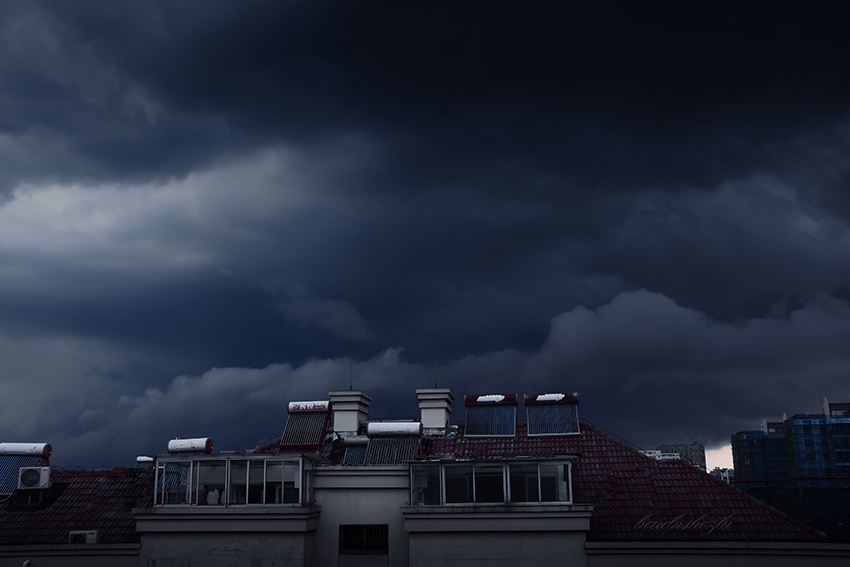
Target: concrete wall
[(538, 535), (266, 536), (493, 549), (117, 555), (361, 495), (710, 555), (240, 549)]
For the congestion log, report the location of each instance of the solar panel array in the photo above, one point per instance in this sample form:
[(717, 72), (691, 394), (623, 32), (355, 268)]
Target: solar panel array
[(10, 466), (304, 428), (354, 454), (554, 419), (495, 420), (390, 450)]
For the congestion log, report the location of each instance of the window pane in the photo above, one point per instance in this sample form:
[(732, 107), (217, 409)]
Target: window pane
[(426, 484), (554, 483), (489, 484), (173, 483), (458, 484), (291, 483), (238, 482), (274, 482), (211, 479), (255, 482), (524, 483)]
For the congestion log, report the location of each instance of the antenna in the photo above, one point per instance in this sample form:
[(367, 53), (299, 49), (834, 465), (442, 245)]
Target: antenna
[(435, 371), (350, 375)]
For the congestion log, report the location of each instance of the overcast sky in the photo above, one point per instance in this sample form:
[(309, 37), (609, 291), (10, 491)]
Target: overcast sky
[(208, 209)]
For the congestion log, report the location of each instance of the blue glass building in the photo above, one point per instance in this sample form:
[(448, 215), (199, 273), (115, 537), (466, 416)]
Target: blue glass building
[(801, 466)]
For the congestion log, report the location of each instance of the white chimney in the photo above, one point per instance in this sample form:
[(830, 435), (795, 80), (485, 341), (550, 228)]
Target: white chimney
[(435, 405), (350, 409)]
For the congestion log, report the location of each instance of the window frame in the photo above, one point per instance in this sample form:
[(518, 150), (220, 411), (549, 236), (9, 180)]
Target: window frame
[(187, 492), (416, 491)]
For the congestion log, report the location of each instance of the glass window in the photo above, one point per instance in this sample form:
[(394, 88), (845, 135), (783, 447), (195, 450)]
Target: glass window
[(524, 483), (173, 483), (292, 483), (486, 483), (230, 482), (273, 492), (210, 481), (554, 483), (489, 483), (426, 484), (459, 484)]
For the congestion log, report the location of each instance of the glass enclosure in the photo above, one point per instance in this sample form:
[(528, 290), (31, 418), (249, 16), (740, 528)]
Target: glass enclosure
[(435, 484), (242, 480)]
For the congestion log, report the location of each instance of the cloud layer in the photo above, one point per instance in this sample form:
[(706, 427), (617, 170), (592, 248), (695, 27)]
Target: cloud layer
[(204, 202), (646, 368)]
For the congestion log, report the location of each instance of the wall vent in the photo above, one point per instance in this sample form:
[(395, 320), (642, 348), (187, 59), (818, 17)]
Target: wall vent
[(83, 536)]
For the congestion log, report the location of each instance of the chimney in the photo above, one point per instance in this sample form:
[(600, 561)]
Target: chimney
[(350, 409), (435, 405)]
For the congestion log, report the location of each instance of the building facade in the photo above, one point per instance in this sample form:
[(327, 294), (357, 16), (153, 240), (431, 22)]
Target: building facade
[(341, 490), (519, 481), (800, 465), (694, 453)]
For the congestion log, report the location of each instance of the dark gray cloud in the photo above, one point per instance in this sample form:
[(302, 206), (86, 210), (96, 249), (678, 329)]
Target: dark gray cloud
[(197, 192)]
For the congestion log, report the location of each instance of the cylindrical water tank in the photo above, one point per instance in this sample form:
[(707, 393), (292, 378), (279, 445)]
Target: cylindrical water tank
[(394, 428), (34, 449), (204, 444)]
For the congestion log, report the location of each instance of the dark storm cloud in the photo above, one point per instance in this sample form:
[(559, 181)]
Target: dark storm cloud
[(213, 191), (597, 95), (648, 369)]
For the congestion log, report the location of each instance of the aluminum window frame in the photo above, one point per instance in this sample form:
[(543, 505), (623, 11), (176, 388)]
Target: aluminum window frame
[(565, 461), (189, 495)]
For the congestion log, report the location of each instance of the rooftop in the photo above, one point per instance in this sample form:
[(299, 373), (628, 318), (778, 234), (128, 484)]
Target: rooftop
[(99, 500)]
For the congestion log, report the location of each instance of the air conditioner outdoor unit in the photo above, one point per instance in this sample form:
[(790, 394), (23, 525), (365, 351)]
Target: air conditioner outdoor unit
[(83, 536), (33, 478)]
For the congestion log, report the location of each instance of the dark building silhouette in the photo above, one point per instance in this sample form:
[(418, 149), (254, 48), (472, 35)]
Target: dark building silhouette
[(800, 465)]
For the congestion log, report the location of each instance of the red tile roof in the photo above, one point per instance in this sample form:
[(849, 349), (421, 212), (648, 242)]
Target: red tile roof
[(635, 497), (99, 500)]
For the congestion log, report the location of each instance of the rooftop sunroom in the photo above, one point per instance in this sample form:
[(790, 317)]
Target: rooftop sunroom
[(514, 481), (191, 476)]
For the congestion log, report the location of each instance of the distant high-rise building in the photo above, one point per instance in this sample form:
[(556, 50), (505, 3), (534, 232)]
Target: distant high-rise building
[(694, 453), (726, 475), (800, 465)]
